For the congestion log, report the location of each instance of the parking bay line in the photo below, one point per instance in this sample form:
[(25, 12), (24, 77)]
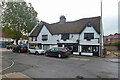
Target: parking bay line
[(8, 67)]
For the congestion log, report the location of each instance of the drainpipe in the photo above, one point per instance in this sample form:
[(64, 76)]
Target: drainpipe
[(79, 44)]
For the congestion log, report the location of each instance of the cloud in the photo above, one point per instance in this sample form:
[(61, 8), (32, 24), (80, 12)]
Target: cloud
[(110, 25)]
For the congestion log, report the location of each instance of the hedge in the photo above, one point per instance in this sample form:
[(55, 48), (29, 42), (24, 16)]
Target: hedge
[(113, 44)]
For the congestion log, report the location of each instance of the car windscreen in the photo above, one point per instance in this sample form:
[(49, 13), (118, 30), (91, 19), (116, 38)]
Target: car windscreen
[(23, 46), (37, 48)]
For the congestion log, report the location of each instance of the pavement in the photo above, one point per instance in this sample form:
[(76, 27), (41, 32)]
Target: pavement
[(115, 60), (4, 49), (15, 75)]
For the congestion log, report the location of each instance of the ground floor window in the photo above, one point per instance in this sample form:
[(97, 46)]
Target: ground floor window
[(46, 47), (91, 49), (39, 46), (75, 48), (71, 46), (86, 48), (59, 45)]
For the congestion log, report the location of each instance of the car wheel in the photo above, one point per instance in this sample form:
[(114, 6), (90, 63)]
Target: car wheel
[(59, 55), (36, 53), (46, 54), (19, 51), (13, 51), (28, 52)]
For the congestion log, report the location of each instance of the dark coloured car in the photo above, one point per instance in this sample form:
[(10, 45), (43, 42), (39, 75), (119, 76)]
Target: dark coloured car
[(58, 52), (20, 48), (14, 48), (8, 46)]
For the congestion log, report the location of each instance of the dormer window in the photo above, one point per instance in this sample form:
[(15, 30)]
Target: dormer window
[(44, 37)]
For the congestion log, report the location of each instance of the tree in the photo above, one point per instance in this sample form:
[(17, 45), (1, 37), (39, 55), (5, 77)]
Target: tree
[(18, 18)]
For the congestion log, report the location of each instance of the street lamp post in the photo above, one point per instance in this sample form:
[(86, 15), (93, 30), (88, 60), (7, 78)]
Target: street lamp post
[(101, 33)]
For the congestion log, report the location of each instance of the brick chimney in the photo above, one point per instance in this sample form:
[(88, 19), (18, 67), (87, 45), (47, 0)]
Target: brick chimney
[(62, 19)]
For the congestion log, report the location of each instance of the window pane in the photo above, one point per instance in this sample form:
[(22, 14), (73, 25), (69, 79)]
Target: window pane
[(86, 48), (85, 36), (35, 38), (89, 35), (65, 36), (46, 47), (44, 37)]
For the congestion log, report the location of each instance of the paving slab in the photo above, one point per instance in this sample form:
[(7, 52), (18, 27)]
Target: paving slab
[(16, 75)]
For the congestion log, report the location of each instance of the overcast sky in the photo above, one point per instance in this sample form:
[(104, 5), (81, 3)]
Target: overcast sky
[(50, 11)]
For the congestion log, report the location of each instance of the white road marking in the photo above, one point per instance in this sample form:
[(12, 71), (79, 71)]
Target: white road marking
[(8, 67)]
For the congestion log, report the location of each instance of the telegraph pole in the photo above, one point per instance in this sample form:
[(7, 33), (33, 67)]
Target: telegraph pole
[(101, 33)]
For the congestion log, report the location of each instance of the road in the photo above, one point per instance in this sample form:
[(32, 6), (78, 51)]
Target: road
[(39, 66)]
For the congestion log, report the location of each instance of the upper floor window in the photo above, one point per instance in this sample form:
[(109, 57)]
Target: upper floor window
[(44, 37), (88, 35), (64, 36), (31, 38)]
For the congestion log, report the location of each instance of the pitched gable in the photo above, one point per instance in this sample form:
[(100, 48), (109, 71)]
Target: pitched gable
[(89, 24)]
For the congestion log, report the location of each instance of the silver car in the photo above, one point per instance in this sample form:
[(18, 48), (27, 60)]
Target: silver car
[(36, 50)]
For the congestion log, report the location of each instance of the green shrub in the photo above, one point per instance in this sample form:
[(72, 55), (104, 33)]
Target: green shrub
[(118, 45)]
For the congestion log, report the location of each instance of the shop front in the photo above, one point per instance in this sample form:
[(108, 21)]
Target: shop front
[(71, 46), (90, 50)]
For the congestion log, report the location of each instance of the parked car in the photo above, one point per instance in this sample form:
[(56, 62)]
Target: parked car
[(8, 46), (14, 48), (58, 52), (36, 50), (20, 48)]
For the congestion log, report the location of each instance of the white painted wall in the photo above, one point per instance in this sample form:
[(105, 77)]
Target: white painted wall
[(72, 39), (30, 39), (52, 39), (92, 41)]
